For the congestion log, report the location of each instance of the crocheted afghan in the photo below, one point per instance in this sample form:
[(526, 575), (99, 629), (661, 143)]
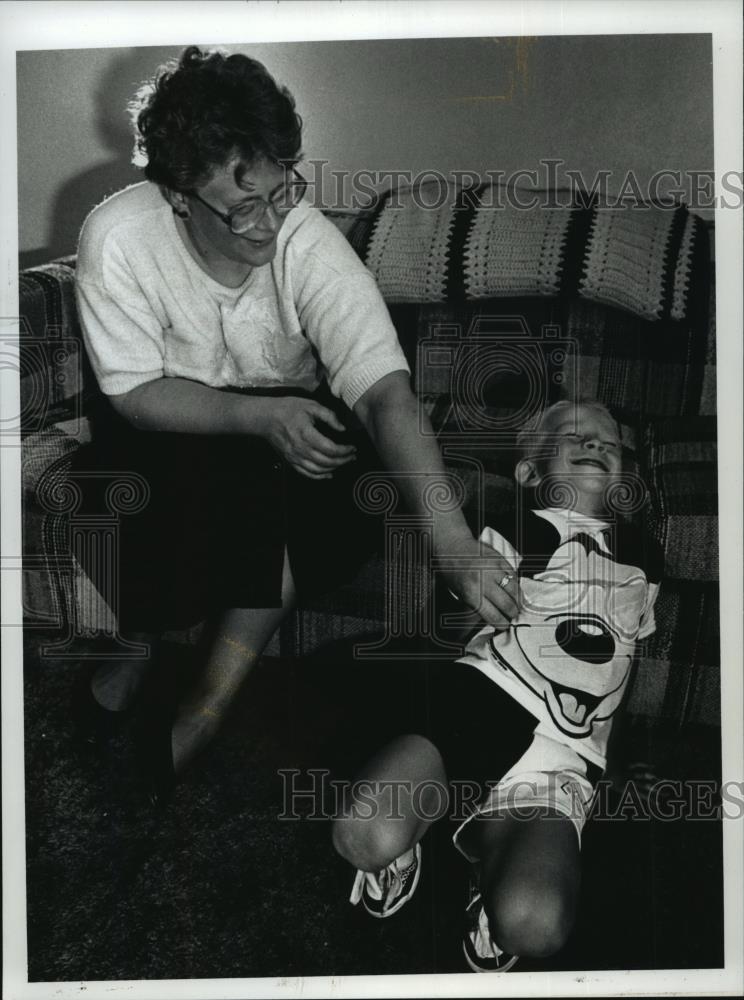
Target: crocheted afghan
[(474, 246)]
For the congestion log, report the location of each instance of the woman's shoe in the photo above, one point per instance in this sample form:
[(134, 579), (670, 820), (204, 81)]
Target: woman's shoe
[(94, 725)]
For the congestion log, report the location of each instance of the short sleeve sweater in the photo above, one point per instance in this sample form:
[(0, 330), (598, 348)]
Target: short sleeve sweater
[(148, 310)]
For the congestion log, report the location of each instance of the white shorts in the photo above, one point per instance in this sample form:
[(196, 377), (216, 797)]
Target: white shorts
[(549, 775)]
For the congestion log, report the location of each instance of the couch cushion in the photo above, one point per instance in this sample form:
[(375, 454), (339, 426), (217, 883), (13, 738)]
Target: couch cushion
[(680, 468), (485, 366), (639, 368), (678, 676)]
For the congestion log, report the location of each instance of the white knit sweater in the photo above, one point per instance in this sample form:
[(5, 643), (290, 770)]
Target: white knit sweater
[(148, 310)]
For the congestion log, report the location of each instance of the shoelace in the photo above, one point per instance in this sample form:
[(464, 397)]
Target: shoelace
[(480, 933), (382, 885)]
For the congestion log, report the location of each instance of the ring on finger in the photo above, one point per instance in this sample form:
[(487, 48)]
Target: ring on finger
[(506, 579)]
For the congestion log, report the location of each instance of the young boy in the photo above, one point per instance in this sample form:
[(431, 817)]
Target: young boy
[(532, 702)]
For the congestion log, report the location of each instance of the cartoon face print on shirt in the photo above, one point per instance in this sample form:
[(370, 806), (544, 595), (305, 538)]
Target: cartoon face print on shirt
[(573, 641)]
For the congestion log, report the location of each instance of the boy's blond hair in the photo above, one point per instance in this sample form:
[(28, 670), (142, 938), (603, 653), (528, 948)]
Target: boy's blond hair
[(532, 434)]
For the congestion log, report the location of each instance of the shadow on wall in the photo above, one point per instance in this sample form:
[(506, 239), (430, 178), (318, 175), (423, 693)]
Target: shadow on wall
[(79, 194)]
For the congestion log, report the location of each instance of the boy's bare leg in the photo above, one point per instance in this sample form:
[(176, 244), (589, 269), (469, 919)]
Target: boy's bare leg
[(238, 642), (399, 793), (529, 880)]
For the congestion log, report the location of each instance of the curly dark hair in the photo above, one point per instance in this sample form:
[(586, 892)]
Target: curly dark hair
[(199, 112)]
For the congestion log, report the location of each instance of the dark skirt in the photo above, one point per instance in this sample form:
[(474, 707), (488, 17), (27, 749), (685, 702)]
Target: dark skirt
[(220, 513)]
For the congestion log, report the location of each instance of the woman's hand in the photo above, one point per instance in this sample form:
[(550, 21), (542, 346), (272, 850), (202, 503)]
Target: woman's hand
[(486, 582), (290, 428)]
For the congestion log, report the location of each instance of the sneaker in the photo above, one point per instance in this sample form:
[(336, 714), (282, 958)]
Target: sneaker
[(383, 893), (481, 952)]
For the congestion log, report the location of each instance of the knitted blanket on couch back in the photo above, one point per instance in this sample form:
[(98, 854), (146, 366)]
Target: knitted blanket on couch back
[(431, 244)]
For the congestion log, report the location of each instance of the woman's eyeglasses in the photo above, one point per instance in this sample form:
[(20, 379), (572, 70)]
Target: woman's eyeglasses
[(250, 213)]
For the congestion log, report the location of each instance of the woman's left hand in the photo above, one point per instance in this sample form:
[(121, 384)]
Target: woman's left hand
[(292, 430)]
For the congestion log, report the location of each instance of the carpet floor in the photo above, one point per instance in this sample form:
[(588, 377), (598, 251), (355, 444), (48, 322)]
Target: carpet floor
[(220, 885)]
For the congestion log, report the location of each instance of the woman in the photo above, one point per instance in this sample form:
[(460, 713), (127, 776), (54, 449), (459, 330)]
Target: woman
[(230, 327)]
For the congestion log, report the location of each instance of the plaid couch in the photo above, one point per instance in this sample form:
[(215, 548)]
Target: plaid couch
[(499, 310)]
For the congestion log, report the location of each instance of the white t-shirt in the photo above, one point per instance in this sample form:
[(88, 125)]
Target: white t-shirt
[(148, 310), (587, 592)]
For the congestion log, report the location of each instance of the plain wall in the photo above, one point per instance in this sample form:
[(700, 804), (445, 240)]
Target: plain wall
[(597, 102)]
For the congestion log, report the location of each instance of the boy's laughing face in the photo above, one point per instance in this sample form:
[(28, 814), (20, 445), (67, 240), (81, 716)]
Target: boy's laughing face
[(582, 450)]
